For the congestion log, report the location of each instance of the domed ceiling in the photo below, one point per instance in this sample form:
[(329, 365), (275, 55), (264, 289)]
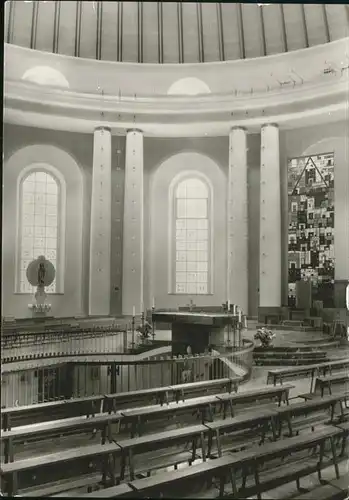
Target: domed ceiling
[(171, 32)]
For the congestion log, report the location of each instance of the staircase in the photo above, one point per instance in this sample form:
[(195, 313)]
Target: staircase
[(289, 356)]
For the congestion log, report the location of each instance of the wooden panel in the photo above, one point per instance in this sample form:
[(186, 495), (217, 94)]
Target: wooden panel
[(45, 27), (273, 29), (150, 32), (294, 26), (190, 33), (22, 24), (230, 31), (252, 30), (109, 31), (88, 38), (130, 32), (170, 31), (314, 19), (337, 16), (66, 33), (210, 32)]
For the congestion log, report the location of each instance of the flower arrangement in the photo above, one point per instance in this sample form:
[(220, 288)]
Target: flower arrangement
[(144, 330), (265, 336)]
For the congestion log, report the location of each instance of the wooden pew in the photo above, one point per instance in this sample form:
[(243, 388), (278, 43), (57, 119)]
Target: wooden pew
[(47, 430), (230, 429), (306, 415), (121, 491), (54, 410), (191, 409), (280, 374), (170, 484), (205, 387), (71, 463), (340, 381), (255, 396), (135, 452), (115, 402)]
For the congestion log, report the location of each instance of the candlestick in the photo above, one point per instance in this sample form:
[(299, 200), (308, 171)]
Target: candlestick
[(133, 311)]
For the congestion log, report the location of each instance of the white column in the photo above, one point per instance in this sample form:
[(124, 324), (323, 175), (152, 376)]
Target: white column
[(99, 289), (132, 278), (238, 220), (270, 219)]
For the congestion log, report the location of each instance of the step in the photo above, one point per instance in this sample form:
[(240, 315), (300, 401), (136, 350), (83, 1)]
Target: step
[(289, 362)]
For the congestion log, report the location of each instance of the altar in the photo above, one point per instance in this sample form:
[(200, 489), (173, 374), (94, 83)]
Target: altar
[(198, 329)]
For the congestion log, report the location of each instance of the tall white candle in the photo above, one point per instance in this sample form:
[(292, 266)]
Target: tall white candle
[(153, 305), (228, 305), (133, 311), (234, 309), (239, 316)]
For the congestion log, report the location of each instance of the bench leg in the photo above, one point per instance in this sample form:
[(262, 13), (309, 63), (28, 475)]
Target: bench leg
[(233, 482), (333, 449), (203, 447), (256, 479), (344, 440), (319, 465)]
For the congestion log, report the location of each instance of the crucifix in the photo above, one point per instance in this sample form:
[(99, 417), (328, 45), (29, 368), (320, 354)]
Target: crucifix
[(191, 305)]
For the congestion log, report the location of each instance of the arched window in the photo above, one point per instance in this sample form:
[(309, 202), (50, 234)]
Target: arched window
[(192, 236), (39, 214)]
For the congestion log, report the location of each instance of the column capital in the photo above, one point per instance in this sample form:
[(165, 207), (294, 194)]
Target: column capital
[(270, 125), (129, 130), (102, 127), (237, 127)]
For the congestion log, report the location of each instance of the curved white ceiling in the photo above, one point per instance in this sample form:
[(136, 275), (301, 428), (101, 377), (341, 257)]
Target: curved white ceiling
[(171, 32)]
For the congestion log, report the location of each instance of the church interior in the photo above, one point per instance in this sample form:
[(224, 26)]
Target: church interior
[(175, 250)]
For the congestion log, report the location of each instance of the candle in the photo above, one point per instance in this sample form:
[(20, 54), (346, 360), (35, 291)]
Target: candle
[(228, 305), (239, 316), (234, 309), (153, 305), (133, 311), (245, 321)]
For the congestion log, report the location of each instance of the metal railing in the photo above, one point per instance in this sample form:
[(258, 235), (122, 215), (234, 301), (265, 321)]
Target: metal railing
[(21, 345), (80, 378)]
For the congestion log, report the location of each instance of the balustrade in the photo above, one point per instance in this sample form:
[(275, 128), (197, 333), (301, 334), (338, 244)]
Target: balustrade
[(86, 377)]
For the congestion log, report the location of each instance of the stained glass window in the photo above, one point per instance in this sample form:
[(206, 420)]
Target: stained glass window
[(39, 219), (192, 236)]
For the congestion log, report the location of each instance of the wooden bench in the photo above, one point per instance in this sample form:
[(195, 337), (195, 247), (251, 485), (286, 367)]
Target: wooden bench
[(169, 484), (55, 410), (191, 409), (334, 490), (115, 402), (306, 415), (63, 465), (280, 374), (205, 387), (255, 396), (49, 430), (60, 489), (121, 491), (290, 470), (135, 452), (345, 428), (229, 430), (339, 382)]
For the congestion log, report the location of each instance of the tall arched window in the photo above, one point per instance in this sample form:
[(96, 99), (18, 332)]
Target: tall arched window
[(39, 214), (192, 236)]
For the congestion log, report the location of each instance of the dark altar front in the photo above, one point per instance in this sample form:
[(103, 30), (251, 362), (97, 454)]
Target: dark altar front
[(197, 330)]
